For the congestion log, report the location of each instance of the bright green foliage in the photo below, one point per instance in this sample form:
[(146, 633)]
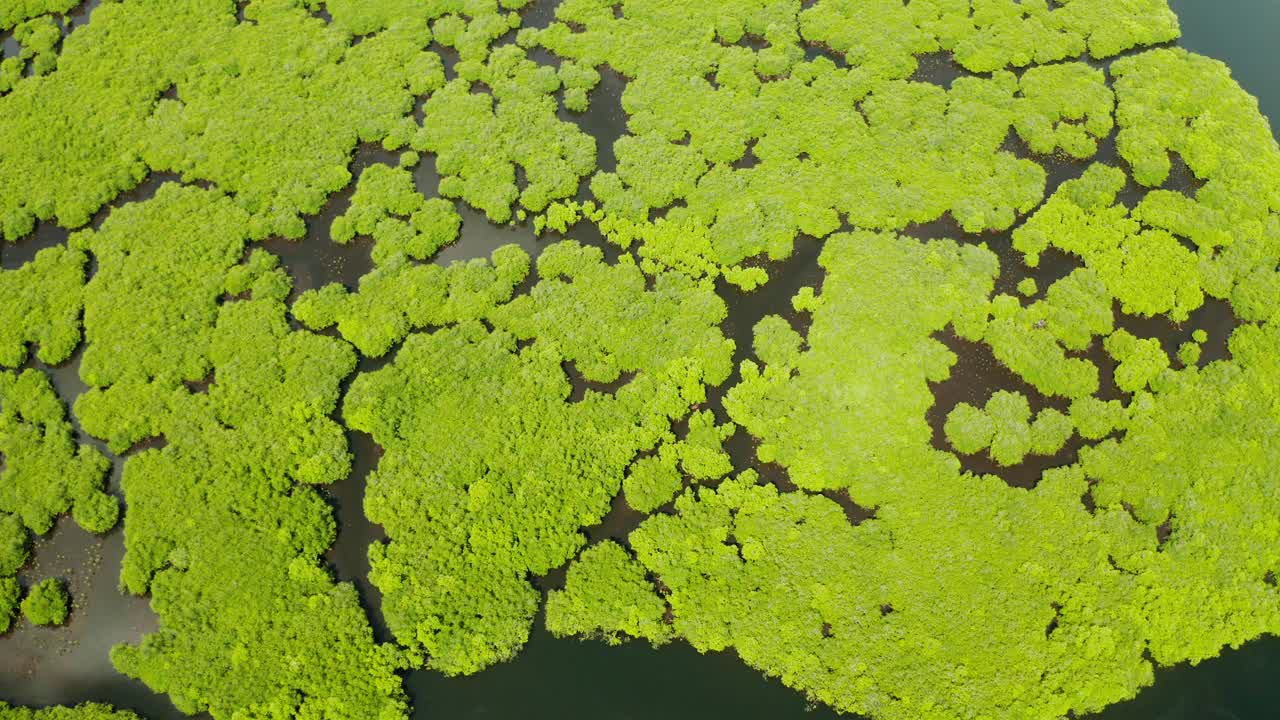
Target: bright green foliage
[(702, 454), (876, 633), (1050, 431), (13, 544), (481, 137), (13, 555), (1095, 418), (490, 471), (269, 109), (174, 286), (1005, 426), (38, 39), (511, 421), (1193, 455), (87, 711), (1007, 32), (78, 129), (229, 490), (1082, 210), (607, 588), (1189, 353), (909, 152), (401, 296), (776, 342), (46, 473), (11, 69), (1149, 271), (969, 429), (468, 27), (1034, 340), (648, 328), (243, 454), (697, 101), (1010, 419), (1174, 101), (10, 594), (653, 480), (1065, 106), (387, 207), (1020, 338), (46, 603), (15, 11), (1060, 604), (1141, 360), (42, 301), (799, 405), (1161, 96), (578, 80), (1077, 308), (1010, 415), (986, 36)]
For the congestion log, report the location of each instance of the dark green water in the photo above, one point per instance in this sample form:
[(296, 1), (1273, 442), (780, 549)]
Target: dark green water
[(570, 680)]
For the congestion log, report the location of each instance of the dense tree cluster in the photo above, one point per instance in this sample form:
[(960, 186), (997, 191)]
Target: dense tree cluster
[(1171, 101), (1005, 426), (864, 142), (98, 125), (38, 40), (46, 472), (492, 468), (984, 36), (1061, 602), (522, 398), (42, 302), (1146, 269), (401, 296), (87, 711), (821, 413), (482, 137), (13, 555), (46, 603), (607, 588), (17, 11), (1064, 105), (1036, 340), (387, 207), (229, 489), (78, 129), (10, 598), (1171, 557)]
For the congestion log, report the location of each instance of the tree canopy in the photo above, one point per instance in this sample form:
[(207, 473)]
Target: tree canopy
[(1023, 219), (46, 603), (87, 711)]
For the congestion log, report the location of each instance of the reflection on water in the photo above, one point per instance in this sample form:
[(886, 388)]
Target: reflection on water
[(70, 664), (588, 680)]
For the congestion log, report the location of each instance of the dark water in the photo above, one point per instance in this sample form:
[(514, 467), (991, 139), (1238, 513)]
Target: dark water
[(70, 664), (571, 680)]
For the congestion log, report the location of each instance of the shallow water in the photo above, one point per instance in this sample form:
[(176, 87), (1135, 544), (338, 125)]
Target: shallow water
[(565, 679)]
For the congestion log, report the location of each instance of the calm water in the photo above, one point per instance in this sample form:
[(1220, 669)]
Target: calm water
[(570, 680)]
